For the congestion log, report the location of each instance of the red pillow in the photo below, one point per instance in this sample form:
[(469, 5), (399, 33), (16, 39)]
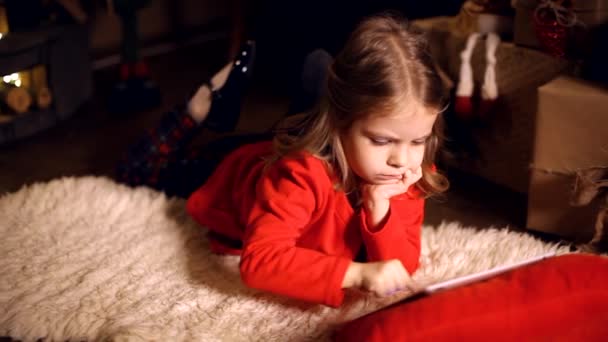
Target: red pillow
[(562, 298)]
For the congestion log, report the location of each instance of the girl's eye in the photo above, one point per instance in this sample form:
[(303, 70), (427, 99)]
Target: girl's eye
[(420, 142), (379, 141)]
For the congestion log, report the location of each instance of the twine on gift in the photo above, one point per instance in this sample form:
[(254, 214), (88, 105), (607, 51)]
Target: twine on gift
[(565, 170), (564, 16)]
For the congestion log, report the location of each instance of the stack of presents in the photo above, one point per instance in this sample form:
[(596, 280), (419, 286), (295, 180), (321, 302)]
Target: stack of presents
[(568, 195), (569, 170), (547, 135)]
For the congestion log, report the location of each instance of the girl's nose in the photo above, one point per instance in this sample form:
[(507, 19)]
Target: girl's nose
[(398, 159)]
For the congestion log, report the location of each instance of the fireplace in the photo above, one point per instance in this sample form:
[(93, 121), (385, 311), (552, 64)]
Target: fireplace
[(51, 65)]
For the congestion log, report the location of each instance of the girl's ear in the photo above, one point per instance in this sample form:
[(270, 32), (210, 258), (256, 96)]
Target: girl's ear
[(588, 184)]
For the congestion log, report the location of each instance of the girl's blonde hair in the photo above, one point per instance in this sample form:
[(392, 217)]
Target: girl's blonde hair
[(382, 64)]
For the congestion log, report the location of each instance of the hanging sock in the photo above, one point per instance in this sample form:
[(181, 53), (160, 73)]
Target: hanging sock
[(463, 106), (489, 89)]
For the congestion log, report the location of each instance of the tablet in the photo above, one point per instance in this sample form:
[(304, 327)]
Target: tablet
[(471, 278)]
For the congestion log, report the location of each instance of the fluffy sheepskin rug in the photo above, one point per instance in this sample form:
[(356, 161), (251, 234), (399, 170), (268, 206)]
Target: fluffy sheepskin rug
[(89, 259)]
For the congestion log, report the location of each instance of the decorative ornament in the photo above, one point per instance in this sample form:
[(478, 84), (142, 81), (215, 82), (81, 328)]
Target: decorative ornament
[(552, 21)]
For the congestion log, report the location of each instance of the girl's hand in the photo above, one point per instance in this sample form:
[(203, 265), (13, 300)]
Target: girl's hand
[(411, 177), (382, 278), (376, 197)]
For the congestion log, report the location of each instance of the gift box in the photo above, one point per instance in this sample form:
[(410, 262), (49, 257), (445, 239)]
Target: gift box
[(571, 134), (591, 12), (524, 33), (499, 147), (588, 13)]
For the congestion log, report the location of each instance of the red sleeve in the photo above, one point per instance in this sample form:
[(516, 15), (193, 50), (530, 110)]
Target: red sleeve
[(288, 196), (399, 238)]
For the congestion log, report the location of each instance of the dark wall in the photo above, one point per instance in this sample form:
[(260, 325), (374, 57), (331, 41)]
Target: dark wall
[(287, 30)]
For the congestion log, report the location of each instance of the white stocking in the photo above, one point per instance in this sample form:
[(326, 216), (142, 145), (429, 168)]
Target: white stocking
[(489, 89), (465, 81)]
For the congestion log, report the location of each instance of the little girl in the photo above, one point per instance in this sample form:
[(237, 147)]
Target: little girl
[(344, 182)]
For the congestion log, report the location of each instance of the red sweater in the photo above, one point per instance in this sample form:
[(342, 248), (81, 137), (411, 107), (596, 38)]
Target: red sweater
[(299, 234)]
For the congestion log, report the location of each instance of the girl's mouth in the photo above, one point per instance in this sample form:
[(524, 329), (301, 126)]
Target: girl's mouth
[(390, 177)]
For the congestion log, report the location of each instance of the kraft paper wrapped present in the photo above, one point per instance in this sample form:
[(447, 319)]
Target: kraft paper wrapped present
[(591, 12), (571, 135)]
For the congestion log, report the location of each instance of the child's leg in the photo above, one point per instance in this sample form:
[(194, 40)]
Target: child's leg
[(225, 90), (147, 161), (159, 158), (183, 176)]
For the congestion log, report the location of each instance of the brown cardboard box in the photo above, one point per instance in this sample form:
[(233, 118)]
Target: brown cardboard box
[(591, 12), (571, 134), (592, 19), (549, 210)]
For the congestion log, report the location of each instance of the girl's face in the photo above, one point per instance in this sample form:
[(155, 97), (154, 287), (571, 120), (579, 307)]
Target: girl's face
[(380, 148)]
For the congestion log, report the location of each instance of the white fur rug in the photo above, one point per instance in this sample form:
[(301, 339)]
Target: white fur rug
[(89, 259)]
